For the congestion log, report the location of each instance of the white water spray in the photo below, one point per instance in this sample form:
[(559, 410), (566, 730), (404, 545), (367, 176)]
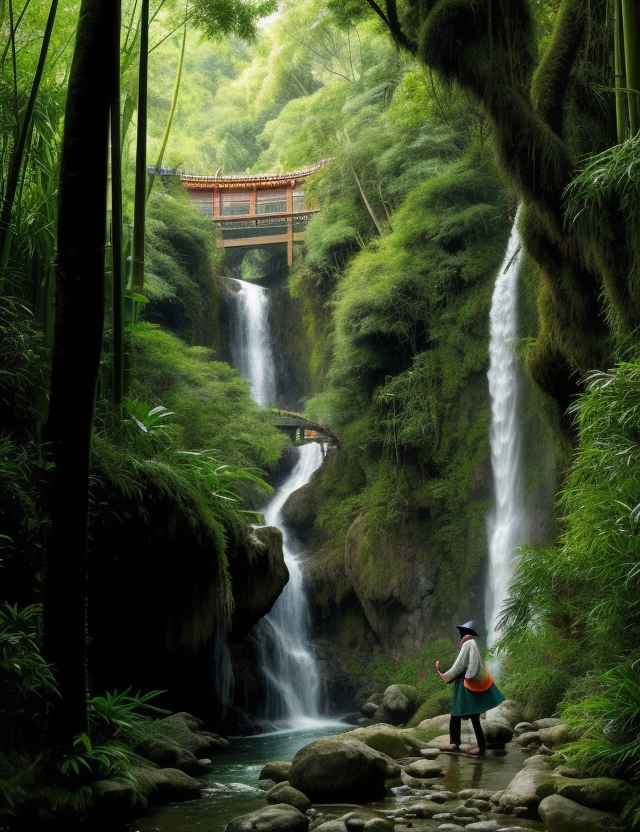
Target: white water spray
[(293, 682), (507, 523), (251, 350)]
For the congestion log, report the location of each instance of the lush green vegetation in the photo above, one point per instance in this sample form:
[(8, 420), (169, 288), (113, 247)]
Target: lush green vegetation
[(119, 422)]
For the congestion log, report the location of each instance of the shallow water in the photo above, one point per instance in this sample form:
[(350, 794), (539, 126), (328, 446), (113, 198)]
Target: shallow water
[(233, 775), (231, 780)]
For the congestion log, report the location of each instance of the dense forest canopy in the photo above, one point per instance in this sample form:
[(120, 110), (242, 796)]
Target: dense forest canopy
[(122, 424)]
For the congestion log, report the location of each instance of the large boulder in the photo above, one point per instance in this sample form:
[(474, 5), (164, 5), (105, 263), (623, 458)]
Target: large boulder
[(169, 785), (258, 574), (277, 770), (277, 818), (285, 793), (341, 768), (178, 741), (605, 793), (400, 702), (497, 728), (532, 783), (559, 814), (391, 741)]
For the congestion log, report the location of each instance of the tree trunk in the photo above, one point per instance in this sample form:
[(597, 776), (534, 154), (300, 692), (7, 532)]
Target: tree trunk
[(140, 200), (82, 206), (632, 62)]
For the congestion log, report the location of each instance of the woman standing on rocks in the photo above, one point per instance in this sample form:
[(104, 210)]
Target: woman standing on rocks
[(474, 690)]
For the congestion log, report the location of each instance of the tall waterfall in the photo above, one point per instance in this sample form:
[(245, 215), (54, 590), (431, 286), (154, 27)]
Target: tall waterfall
[(293, 682), (507, 523), (251, 350)]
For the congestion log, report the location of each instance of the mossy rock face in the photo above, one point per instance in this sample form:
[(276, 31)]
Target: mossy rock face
[(398, 598), (258, 574), (596, 792)]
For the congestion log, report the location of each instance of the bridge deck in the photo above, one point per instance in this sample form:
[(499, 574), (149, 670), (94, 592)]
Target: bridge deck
[(253, 209)]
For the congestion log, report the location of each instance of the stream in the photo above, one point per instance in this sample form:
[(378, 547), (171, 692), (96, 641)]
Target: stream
[(232, 777)]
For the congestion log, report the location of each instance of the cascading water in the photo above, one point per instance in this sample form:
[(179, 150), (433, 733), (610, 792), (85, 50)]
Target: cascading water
[(250, 345), (288, 664), (507, 523), (292, 679)]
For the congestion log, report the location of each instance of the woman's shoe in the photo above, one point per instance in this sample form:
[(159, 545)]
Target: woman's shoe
[(475, 752), (452, 749)]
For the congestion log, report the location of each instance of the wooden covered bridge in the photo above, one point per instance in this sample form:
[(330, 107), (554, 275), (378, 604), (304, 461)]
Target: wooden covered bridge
[(254, 209)]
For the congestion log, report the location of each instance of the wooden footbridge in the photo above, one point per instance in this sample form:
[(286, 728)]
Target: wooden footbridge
[(253, 209), (303, 430)]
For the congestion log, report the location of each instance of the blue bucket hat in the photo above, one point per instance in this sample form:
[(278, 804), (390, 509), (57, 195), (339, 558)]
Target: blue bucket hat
[(466, 629)]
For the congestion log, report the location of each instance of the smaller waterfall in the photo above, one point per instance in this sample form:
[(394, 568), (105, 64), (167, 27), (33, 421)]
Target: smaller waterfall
[(293, 682), (251, 342), (506, 525)]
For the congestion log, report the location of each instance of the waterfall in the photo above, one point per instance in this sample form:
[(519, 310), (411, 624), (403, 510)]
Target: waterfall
[(251, 350), (288, 664), (507, 523)]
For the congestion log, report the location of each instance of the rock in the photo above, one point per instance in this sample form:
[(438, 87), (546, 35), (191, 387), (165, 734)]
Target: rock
[(378, 825), (178, 741), (424, 768), (497, 729), (278, 771), (277, 818), (450, 827), (556, 734), (466, 812), (436, 723), (528, 739), (483, 826), (265, 785), (331, 826), (523, 727), (530, 785), (604, 793), (114, 797), (426, 809), (549, 722), (259, 574), (559, 814), (400, 609), (284, 793), (341, 768), (369, 709), (400, 702), (384, 738), (512, 711), (169, 785)]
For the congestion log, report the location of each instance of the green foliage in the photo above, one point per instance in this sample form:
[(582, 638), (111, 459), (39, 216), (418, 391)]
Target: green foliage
[(117, 712), (417, 670), (182, 259), (570, 622), (211, 402), (26, 679)]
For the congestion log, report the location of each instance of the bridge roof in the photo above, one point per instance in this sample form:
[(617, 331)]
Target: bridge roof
[(243, 180)]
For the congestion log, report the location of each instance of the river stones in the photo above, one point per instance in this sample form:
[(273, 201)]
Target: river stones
[(277, 818), (531, 784), (424, 768), (341, 768), (560, 814), (284, 793), (278, 771)]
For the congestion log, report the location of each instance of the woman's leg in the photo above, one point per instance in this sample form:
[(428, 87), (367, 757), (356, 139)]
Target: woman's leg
[(480, 738), (455, 723)]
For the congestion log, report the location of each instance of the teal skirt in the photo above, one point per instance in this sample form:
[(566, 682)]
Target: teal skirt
[(467, 702)]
